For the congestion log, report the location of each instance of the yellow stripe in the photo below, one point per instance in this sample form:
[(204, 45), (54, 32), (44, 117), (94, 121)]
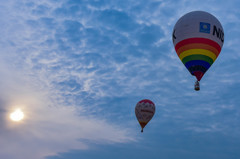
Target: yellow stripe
[(199, 52)]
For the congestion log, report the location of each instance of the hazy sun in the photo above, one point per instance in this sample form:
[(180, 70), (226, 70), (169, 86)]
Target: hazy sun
[(17, 115)]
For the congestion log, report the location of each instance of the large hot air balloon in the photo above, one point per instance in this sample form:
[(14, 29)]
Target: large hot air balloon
[(144, 111), (198, 39)]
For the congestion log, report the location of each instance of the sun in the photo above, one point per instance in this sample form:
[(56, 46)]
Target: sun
[(17, 115)]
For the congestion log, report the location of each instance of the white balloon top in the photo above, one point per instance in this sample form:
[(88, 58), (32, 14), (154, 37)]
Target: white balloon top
[(198, 24)]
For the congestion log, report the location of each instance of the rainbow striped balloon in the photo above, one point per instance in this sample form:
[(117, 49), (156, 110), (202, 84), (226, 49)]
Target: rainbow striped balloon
[(198, 38)]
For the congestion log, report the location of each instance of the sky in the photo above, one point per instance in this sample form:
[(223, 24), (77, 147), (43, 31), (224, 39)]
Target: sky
[(77, 69)]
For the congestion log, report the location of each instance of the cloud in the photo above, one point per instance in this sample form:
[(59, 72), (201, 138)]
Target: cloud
[(77, 68), (48, 74), (50, 125)]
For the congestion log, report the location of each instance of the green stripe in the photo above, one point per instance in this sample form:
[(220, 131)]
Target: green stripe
[(197, 57)]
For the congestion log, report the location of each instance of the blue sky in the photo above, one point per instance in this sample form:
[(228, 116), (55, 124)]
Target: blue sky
[(77, 68)]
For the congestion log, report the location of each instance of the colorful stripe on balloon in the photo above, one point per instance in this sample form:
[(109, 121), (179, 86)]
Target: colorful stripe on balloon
[(197, 54), (143, 124)]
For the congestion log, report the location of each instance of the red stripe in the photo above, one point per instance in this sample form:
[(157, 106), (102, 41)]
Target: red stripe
[(146, 101), (198, 40), (148, 111)]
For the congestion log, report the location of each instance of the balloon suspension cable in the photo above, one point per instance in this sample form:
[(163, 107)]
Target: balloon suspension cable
[(197, 86)]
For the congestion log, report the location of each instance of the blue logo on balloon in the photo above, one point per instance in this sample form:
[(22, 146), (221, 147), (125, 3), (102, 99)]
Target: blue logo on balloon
[(205, 27)]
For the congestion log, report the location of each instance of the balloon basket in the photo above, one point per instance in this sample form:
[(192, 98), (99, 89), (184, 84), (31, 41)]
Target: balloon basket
[(197, 86)]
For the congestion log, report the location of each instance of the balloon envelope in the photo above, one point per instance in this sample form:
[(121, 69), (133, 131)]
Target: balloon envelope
[(198, 39), (144, 110)]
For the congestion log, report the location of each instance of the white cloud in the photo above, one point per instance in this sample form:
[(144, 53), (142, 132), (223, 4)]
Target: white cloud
[(34, 76), (49, 126), (57, 57)]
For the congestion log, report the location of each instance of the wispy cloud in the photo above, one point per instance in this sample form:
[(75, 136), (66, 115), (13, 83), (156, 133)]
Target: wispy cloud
[(52, 122), (73, 65), (50, 70)]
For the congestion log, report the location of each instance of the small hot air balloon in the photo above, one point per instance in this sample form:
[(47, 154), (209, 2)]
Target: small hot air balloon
[(198, 39), (144, 111)]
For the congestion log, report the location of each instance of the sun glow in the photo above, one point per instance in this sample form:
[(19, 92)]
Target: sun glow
[(17, 115)]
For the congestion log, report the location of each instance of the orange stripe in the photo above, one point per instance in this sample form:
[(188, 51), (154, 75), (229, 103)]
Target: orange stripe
[(198, 40), (143, 124), (197, 46)]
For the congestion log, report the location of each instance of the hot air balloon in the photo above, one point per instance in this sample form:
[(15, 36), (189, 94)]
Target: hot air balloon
[(198, 39), (144, 111)]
